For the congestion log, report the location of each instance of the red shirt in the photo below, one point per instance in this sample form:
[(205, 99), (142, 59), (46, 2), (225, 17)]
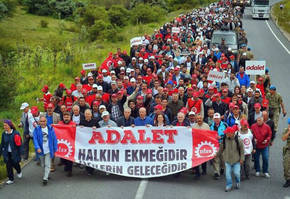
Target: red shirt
[(46, 99), (68, 101), (261, 133)]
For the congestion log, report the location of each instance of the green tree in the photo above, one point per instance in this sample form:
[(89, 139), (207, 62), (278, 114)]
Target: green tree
[(118, 15)]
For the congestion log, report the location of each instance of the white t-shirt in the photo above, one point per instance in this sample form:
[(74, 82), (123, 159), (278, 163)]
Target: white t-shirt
[(247, 141), (76, 119), (45, 140)]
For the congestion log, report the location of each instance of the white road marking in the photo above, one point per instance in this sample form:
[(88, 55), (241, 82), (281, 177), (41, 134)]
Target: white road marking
[(277, 38), (141, 189)]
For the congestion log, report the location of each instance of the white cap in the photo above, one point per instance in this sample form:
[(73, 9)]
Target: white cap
[(113, 82), (249, 90), (170, 56), (100, 88), (191, 113), (122, 68), (104, 71), (146, 60), (229, 49), (133, 58), (112, 72), (24, 105), (95, 86), (216, 116), (126, 77), (102, 106), (151, 57), (141, 58), (119, 62), (252, 82), (105, 113), (133, 80), (90, 74), (128, 70)]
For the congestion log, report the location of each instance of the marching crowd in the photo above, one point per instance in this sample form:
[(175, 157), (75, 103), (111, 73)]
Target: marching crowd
[(163, 82)]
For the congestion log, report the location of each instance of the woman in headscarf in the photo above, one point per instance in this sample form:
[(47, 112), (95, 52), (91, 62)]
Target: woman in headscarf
[(10, 149)]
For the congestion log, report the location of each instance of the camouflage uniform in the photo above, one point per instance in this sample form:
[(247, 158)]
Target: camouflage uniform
[(275, 102), (286, 157)]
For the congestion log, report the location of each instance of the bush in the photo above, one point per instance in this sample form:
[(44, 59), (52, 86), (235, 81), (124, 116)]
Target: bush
[(118, 15), (43, 24), (144, 13), (8, 85), (7, 7)]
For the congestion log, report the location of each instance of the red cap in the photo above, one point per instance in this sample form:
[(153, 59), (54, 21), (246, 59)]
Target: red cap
[(34, 110), (68, 92), (120, 92), (83, 72), (165, 90), (236, 107), (257, 105), (231, 105), (261, 79), (232, 56), (244, 122), (140, 97), (211, 88), (183, 110), (176, 69), (100, 77), (50, 105), (196, 94), (190, 89), (194, 76), (96, 103), (61, 85), (229, 130), (149, 91), (45, 88), (158, 107), (225, 90), (114, 95), (201, 91), (265, 103)]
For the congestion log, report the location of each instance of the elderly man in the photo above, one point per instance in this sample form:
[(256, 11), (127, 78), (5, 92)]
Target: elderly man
[(200, 124), (106, 122), (143, 120), (126, 120), (262, 134), (175, 104), (45, 144)]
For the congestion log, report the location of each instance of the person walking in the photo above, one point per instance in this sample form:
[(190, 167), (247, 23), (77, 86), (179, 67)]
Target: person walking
[(67, 163), (45, 144), (232, 150), (24, 123), (286, 155), (10, 149), (262, 134), (247, 137)]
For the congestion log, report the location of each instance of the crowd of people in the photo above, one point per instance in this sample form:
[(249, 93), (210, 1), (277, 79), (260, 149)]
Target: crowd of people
[(163, 82)]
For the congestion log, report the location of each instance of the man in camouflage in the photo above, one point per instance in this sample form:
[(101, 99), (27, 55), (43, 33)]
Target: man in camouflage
[(286, 155), (275, 105)]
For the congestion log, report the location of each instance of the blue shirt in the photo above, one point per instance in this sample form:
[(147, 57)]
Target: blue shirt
[(143, 122), (49, 120)]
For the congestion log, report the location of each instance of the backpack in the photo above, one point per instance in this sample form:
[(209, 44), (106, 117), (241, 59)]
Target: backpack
[(237, 141)]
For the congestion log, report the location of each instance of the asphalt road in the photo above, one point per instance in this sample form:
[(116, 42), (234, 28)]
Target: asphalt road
[(265, 46)]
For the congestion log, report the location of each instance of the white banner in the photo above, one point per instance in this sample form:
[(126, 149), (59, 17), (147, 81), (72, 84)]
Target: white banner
[(255, 67), (89, 66), (175, 30), (216, 76), (136, 41), (142, 152)]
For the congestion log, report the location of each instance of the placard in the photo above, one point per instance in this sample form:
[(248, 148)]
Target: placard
[(255, 67)]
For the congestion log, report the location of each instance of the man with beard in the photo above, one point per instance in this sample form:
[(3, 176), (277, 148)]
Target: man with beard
[(67, 164)]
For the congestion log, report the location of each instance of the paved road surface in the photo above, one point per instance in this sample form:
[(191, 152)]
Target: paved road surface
[(264, 46)]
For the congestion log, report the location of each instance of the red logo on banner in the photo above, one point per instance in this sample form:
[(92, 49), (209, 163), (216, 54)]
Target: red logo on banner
[(64, 148), (205, 149)]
